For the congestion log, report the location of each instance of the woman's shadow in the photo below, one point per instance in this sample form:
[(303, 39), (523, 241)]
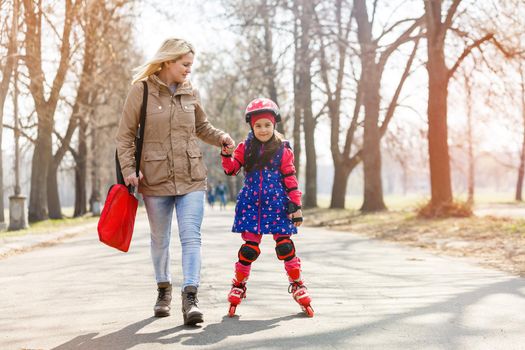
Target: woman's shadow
[(128, 337)]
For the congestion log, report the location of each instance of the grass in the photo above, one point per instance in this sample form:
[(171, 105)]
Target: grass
[(49, 226), (413, 200), (493, 241)]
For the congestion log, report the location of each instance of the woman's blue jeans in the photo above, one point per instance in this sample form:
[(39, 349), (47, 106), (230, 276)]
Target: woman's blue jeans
[(190, 210)]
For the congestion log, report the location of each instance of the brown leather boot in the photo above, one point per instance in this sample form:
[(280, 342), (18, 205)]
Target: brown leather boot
[(162, 306), (190, 311)]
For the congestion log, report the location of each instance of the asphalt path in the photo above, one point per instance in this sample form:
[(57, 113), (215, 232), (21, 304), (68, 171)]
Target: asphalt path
[(367, 294)]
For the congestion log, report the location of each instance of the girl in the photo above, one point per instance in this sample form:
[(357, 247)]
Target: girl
[(268, 203)]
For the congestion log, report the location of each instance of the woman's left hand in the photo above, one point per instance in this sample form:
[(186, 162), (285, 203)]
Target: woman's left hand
[(297, 214)]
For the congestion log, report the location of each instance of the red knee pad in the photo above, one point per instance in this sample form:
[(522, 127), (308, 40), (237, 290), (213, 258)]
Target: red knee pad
[(285, 249), (249, 252)]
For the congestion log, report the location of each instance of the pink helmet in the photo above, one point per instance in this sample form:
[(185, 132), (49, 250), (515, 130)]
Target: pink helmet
[(260, 105)]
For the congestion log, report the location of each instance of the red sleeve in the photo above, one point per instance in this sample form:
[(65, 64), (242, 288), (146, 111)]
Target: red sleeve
[(232, 164), (290, 180)]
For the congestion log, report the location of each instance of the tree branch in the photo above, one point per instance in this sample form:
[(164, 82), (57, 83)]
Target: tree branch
[(467, 52), (349, 140), (403, 38), (450, 15), (393, 26), (29, 138), (69, 148), (393, 103), (374, 9)]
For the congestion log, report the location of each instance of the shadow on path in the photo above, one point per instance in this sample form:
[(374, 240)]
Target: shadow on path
[(215, 332), (451, 336), (128, 337)]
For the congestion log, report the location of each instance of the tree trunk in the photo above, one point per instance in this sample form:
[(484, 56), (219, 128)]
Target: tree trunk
[(7, 71), (96, 195), (342, 171), (298, 42), (310, 197), (53, 198), (521, 169), (521, 172), (37, 210), (81, 170), (304, 92), (470, 142), (371, 80), (373, 186), (440, 181)]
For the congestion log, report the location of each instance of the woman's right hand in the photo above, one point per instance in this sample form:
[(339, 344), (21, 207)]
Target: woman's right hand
[(133, 180)]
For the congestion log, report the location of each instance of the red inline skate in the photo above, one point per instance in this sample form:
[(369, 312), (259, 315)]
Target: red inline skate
[(237, 293), (301, 296)]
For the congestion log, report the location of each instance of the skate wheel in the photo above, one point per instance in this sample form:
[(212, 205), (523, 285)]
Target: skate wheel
[(309, 311), (231, 311)]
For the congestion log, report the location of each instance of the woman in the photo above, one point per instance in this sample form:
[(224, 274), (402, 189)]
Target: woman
[(172, 172)]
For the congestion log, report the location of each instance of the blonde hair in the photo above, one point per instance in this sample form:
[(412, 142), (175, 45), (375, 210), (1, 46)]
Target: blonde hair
[(171, 50)]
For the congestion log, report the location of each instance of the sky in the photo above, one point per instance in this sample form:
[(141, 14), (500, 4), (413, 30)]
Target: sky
[(195, 21)]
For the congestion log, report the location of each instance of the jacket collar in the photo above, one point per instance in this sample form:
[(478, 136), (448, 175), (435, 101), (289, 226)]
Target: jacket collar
[(158, 85)]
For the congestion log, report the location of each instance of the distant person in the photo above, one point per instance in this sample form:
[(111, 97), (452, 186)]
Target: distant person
[(172, 172), (210, 196), (220, 192), (268, 203)]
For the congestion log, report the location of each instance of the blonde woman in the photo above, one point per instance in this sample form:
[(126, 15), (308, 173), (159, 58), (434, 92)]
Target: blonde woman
[(172, 172)]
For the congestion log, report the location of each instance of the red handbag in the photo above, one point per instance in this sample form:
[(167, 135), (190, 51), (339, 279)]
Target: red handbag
[(117, 220)]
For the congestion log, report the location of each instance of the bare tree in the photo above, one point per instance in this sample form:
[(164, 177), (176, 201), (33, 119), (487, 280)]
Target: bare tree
[(470, 137), (439, 76), (344, 162), (7, 69), (300, 47), (521, 167), (45, 107), (373, 62), (373, 57), (304, 14)]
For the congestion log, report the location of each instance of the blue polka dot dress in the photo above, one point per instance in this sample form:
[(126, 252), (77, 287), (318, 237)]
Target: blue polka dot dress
[(262, 202)]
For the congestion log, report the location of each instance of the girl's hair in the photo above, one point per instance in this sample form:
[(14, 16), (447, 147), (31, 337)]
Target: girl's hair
[(171, 50), (254, 161)]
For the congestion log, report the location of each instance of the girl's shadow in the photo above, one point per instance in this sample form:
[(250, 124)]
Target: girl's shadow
[(229, 326)]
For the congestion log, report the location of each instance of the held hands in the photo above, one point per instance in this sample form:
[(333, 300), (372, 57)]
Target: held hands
[(133, 180), (228, 145)]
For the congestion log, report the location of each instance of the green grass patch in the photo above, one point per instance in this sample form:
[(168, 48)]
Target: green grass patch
[(415, 200), (48, 226)]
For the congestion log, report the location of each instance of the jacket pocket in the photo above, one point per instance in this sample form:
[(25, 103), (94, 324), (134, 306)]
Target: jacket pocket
[(197, 167), (187, 103), (188, 107), (155, 168)]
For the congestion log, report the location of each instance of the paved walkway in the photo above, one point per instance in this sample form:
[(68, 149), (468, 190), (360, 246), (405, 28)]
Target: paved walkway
[(80, 294)]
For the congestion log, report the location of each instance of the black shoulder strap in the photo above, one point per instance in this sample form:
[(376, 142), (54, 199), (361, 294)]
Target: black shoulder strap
[(139, 139)]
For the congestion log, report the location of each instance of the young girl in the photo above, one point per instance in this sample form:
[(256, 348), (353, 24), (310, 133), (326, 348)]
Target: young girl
[(268, 203)]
